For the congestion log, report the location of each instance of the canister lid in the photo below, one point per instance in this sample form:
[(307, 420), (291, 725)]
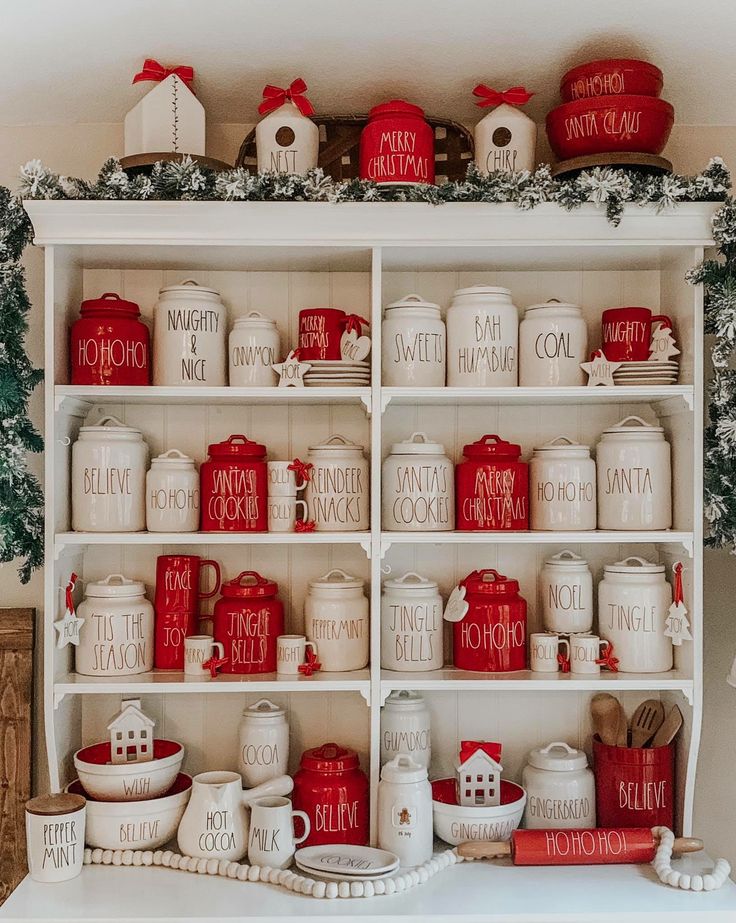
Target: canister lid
[(410, 581), (255, 319), (633, 426), (337, 579), (490, 583), (249, 585), (111, 427), (172, 459), (558, 757), (405, 699), (110, 303), (337, 443), (189, 287), (402, 768), (263, 709), (408, 302), (566, 558), (417, 444), (562, 444), (396, 107), (553, 306), (329, 758), (237, 446), (55, 805), (483, 290), (492, 447), (634, 565), (114, 585)]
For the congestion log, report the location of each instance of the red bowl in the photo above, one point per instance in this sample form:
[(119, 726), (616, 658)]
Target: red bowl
[(611, 77), (607, 124), (445, 791)]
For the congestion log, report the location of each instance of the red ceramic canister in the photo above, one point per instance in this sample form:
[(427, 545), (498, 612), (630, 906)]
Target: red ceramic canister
[(109, 345), (491, 487), (626, 333), (634, 786), (234, 486), (491, 637), (397, 145), (333, 791), (247, 619), (320, 332), (176, 605)]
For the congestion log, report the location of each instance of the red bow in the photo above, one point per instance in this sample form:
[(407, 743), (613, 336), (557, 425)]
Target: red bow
[(274, 97), (353, 322), (514, 96), (469, 747), (301, 469), (677, 596), (608, 660), (312, 665), (564, 663), (304, 525), (70, 590), (214, 664), (152, 70)]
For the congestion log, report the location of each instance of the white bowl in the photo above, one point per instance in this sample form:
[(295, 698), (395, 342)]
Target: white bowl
[(456, 823), (135, 824), (108, 781)]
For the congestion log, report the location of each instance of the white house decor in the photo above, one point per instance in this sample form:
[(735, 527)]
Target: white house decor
[(287, 140), (478, 774), (131, 734), (506, 138), (169, 118)]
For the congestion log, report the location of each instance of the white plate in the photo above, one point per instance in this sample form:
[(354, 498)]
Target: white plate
[(334, 876), (337, 384), (343, 859), (338, 363)]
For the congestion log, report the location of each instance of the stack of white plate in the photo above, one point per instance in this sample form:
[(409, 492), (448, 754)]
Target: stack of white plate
[(340, 862), (647, 373), (338, 373)]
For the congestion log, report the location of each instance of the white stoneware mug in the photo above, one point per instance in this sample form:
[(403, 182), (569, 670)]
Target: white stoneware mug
[(585, 650), (197, 650), (282, 482), (272, 840), (543, 651), (282, 513), (291, 651), (55, 836)]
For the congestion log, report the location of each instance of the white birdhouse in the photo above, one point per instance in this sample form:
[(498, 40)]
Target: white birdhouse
[(506, 138), (169, 118), (131, 734), (479, 780), (287, 140)]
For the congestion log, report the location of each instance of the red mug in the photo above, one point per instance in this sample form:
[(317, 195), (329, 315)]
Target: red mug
[(320, 332), (177, 605), (626, 333)]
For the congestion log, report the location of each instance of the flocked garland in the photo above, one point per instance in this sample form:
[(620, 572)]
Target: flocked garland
[(611, 189)]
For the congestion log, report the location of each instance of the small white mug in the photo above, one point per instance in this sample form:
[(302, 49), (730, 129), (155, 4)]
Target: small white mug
[(197, 650), (271, 839), (282, 513), (281, 481), (291, 651), (585, 650), (543, 650)]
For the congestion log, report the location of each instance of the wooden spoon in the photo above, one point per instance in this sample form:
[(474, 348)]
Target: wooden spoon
[(646, 721), (604, 710), (622, 737), (669, 729)]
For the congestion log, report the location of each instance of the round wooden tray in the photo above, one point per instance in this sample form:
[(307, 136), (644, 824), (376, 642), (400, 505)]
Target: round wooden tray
[(633, 161), (136, 164)]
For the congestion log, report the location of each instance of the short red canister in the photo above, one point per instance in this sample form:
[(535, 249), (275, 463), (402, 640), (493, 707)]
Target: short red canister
[(247, 619), (491, 637), (320, 332), (333, 791), (234, 486), (109, 345), (397, 145), (491, 487), (634, 786)]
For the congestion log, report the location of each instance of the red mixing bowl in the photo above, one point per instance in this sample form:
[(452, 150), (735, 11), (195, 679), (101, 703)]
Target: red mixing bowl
[(607, 124), (611, 77)]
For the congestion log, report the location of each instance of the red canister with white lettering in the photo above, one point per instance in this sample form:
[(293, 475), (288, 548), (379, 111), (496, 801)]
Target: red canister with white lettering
[(491, 636), (397, 145), (109, 345), (334, 792), (234, 486), (634, 786), (492, 487), (246, 620)]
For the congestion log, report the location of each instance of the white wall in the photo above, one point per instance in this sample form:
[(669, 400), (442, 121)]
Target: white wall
[(81, 149)]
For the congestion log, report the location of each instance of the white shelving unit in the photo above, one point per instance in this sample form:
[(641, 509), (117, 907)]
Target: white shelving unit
[(278, 258)]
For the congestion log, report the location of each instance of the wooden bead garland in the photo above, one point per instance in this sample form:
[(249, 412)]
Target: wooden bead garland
[(669, 876)]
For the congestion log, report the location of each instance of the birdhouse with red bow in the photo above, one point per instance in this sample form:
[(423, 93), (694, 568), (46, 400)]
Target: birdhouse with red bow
[(506, 138), (287, 140), (169, 118)]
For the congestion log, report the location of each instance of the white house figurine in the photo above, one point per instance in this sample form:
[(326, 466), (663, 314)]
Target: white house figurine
[(287, 140), (131, 734), (479, 774), (169, 118), (506, 138)]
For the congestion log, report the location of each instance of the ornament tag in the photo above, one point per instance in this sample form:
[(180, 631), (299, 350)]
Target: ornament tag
[(456, 608), (663, 346), (70, 625), (676, 625), (291, 371), (353, 346), (599, 370)]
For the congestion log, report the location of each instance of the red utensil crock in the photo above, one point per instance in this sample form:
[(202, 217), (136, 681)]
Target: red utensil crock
[(634, 787)]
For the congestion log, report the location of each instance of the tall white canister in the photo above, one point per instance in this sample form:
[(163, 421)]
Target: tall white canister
[(566, 584), (405, 811), (482, 338), (553, 341), (336, 619), (406, 727), (338, 490), (189, 333), (411, 624), (413, 344), (418, 487), (253, 347), (263, 743)]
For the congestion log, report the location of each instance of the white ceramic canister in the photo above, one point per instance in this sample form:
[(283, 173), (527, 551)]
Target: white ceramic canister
[(189, 333), (562, 487), (116, 638), (109, 462), (411, 624), (482, 338), (418, 493), (172, 493), (553, 341), (263, 743), (406, 727), (634, 477), (338, 488), (55, 826), (566, 585), (633, 604), (253, 348), (336, 619), (560, 789), (414, 345), (405, 811)]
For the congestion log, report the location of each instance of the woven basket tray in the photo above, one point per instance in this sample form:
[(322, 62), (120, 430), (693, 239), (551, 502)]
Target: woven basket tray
[(339, 142)]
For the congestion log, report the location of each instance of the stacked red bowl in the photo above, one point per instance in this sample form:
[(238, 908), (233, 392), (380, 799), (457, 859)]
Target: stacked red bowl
[(610, 106)]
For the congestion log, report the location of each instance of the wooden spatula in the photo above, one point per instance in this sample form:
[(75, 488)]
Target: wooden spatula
[(646, 721), (669, 728), (604, 710)]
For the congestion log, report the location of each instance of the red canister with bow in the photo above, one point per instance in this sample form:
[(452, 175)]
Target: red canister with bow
[(491, 636)]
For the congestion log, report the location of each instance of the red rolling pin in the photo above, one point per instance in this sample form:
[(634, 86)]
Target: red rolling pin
[(595, 846)]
